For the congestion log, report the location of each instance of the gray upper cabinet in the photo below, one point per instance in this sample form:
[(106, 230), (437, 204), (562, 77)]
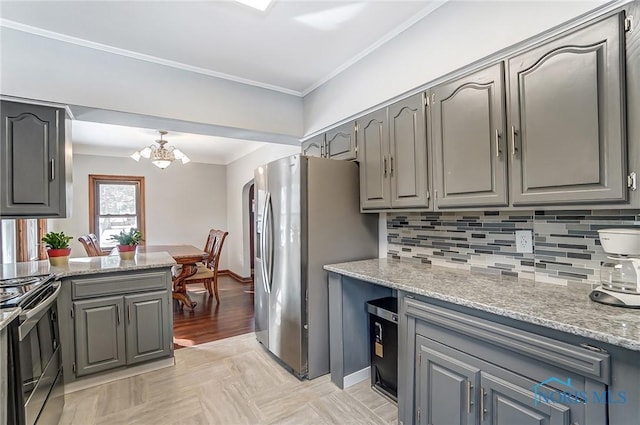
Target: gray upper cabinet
[(34, 161), (408, 168), (566, 118), (314, 146), (445, 387), (468, 128), (99, 335), (392, 150), (373, 142), (340, 142), (147, 326)]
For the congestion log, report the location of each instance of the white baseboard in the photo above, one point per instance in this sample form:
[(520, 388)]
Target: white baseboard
[(92, 381), (356, 377)]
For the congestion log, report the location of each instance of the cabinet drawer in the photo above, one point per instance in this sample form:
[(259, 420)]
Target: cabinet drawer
[(117, 284), (540, 348)]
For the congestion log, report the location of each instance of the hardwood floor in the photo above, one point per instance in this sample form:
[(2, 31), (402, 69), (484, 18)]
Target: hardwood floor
[(211, 321)]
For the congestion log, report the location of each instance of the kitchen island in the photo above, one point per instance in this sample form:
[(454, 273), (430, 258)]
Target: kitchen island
[(493, 341), (115, 316)]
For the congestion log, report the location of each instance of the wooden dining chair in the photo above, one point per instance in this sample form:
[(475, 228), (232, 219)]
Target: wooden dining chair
[(91, 245), (208, 272)]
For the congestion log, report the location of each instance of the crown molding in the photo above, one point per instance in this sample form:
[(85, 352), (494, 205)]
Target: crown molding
[(140, 56), (7, 23), (386, 38)]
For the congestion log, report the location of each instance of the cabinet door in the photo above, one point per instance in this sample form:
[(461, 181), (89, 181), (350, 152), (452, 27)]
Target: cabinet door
[(314, 146), (373, 142), (341, 142), (100, 337), (468, 123), (445, 387), (32, 161), (408, 157), (505, 403), (567, 118), (148, 326)]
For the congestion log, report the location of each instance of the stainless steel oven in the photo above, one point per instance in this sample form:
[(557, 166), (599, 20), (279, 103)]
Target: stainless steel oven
[(36, 380)]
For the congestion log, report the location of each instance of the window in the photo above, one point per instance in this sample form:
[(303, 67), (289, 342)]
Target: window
[(115, 203), (21, 240)]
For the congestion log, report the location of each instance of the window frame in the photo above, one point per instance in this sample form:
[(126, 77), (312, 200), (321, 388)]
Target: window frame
[(21, 247), (94, 209)]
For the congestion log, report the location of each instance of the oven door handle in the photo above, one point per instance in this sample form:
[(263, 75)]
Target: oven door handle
[(29, 319)]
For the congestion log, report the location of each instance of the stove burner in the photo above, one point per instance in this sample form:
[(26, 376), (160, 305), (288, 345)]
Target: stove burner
[(20, 281)]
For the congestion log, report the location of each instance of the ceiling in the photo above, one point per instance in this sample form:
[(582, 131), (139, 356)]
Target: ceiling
[(292, 47), (116, 140)]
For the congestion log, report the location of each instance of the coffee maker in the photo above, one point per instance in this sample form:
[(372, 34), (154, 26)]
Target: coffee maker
[(620, 273)]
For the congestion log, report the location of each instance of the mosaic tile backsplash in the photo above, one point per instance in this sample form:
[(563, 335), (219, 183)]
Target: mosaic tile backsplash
[(566, 245)]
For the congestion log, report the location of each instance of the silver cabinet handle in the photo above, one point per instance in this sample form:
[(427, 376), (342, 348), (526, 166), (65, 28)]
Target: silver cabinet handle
[(498, 151), (514, 150), (322, 150), (384, 166), (469, 388), (129, 313), (52, 169), (391, 165), (482, 409), (118, 313)]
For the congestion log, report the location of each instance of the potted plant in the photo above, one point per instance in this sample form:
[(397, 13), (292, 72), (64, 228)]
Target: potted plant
[(127, 243), (58, 250)]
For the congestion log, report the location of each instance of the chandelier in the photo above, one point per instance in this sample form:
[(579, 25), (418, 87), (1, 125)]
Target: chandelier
[(160, 156)]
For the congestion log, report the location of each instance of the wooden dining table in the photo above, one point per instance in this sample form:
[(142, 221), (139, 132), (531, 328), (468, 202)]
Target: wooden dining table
[(187, 256)]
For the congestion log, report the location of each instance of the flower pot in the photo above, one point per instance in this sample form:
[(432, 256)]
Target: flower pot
[(127, 252), (59, 257)]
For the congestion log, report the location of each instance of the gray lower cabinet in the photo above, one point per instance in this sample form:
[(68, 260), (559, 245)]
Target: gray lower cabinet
[(445, 387), (470, 156), (147, 328), (35, 161), (100, 335), (452, 392), (114, 331), (505, 403), (463, 369), (392, 150), (114, 320), (566, 107), (340, 142), (314, 146)]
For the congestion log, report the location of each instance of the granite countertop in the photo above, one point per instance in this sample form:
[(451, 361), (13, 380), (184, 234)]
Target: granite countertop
[(7, 315), (89, 265), (563, 308)]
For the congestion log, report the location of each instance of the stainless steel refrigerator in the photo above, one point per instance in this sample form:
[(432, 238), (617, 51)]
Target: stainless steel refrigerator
[(307, 214)]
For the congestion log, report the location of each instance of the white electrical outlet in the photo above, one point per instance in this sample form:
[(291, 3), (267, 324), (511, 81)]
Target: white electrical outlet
[(524, 243)]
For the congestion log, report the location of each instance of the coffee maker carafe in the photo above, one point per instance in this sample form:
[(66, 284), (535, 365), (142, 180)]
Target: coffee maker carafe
[(620, 273)]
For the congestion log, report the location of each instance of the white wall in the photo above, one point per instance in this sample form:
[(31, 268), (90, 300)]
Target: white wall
[(239, 173), (182, 202), (456, 34), (46, 69)]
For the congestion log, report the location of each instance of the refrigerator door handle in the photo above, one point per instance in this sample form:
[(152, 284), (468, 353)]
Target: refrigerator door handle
[(269, 224), (263, 245)]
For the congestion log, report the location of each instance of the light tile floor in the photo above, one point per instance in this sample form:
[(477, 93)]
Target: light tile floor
[(231, 381)]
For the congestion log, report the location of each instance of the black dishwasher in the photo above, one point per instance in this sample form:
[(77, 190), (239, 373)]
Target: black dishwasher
[(383, 339)]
